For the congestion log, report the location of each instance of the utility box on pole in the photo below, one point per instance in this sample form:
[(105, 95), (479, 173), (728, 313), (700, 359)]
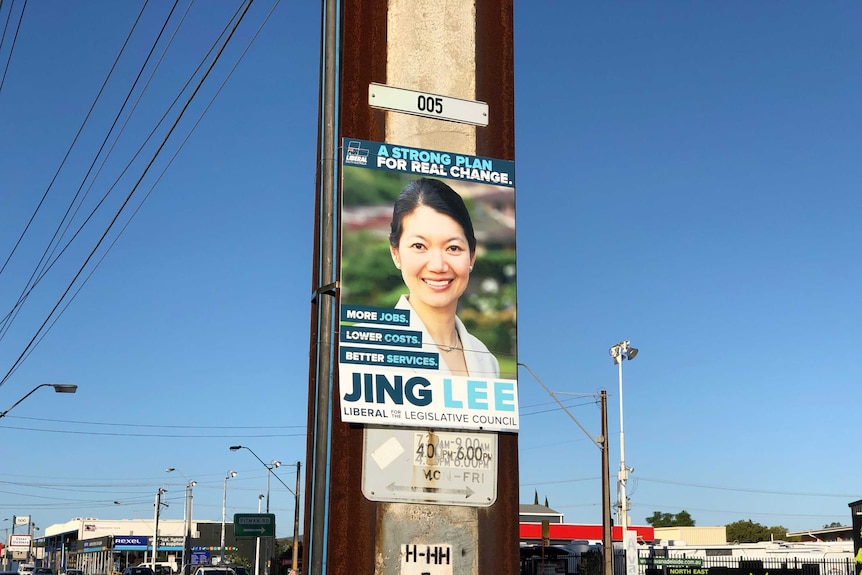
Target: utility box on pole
[(412, 463)]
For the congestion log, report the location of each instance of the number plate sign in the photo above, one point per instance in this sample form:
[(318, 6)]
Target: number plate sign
[(428, 105), (419, 466)]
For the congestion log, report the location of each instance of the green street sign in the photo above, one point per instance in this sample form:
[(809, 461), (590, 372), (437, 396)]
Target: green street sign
[(254, 525)]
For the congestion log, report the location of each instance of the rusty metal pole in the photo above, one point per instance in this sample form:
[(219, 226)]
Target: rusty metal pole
[(399, 43)]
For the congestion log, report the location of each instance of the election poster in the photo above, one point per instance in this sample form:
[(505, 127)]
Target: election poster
[(427, 334)]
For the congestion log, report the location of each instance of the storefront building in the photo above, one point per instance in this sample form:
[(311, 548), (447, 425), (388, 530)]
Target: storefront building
[(103, 547)]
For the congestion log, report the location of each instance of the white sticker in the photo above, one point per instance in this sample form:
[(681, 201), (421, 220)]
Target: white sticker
[(426, 559), (387, 453)]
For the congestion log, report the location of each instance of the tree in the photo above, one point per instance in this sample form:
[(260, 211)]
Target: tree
[(750, 532), (833, 524), (681, 519), (237, 559)]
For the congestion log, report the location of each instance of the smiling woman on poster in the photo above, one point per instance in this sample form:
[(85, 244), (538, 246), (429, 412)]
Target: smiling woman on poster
[(433, 244)]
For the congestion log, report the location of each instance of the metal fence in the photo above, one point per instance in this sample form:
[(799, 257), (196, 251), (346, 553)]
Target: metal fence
[(590, 564), (774, 565)]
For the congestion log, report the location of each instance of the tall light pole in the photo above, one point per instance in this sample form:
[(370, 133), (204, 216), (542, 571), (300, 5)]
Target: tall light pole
[(229, 475), (257, 541), (275, 463), (58, 387), (187, 519), (269, 467), (5, 541), (187, 526), (620, 352)]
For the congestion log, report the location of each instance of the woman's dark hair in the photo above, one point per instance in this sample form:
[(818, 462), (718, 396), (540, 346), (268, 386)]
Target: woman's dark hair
[(437, 196)]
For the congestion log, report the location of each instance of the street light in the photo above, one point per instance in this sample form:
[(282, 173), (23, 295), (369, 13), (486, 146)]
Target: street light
[(269, 467), (187, 524), (229, 475), (187, 518), (58, 387), (5, 540), (620, 352), (257, 541), (275, 463)]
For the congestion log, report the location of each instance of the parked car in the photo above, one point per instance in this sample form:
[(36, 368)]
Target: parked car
[(73, 572), (239, 570), (214, 570), (139, 570), (43, 571)]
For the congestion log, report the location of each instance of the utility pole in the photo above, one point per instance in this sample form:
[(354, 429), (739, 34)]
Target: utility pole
[(156, 528), (607, 528), (398, 45), (602, 443)]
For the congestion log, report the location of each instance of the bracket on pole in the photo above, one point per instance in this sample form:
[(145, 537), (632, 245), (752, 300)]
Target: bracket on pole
[(328, 289)]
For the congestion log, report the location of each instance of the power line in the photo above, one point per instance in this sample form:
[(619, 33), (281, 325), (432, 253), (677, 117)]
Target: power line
[(749, 489), (44, 262), (68, 301), (46, 255), (72, 145), (127, 199), (159, 426), (167, 165), (704, 486), (14, 41), (165, 435)]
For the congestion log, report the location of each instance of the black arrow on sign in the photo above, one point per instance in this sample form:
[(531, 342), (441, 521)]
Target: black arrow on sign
[(466, 491)]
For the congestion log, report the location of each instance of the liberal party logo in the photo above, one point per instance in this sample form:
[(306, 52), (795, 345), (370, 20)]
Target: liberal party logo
[(356, 154)]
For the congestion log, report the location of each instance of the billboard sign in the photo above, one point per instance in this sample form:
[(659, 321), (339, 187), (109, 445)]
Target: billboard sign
[(428, 294), (20, 541), (170, 542), (131, 542), (93, 545)]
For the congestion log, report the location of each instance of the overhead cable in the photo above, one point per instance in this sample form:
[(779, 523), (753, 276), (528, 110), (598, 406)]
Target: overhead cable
[(127, 199)]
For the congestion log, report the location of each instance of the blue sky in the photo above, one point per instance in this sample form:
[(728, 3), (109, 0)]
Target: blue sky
[(688, 178)]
